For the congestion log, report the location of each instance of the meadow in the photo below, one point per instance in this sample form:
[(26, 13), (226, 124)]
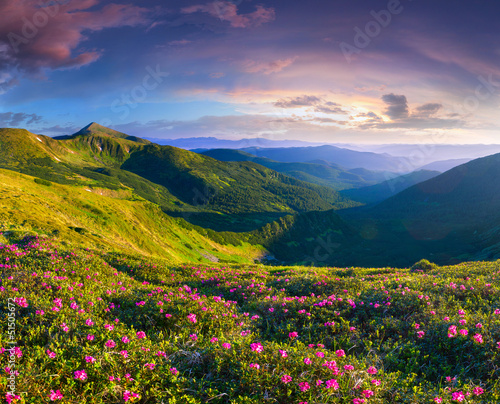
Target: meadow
[(84, 326)]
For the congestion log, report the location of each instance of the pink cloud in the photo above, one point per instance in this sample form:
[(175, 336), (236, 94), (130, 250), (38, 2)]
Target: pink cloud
[(252, 66), (35, 37), (227, 11)]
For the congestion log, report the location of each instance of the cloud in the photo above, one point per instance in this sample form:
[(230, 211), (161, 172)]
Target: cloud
[(7, 82), (398, 110), (427, 109), (397, 106), (57, 130), (297, 102), (330, 108), (36, 37), (234, 127), (275, 66), (16, 119), (327, 120), (366, 120), (227, 11), (319, 104)]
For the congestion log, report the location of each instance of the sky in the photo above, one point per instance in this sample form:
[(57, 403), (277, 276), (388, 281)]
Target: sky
[(333, 71)]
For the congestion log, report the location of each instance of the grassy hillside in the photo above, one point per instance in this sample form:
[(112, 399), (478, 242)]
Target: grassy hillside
[(214, 194), (110, 219), (93, 328), (320, 173)]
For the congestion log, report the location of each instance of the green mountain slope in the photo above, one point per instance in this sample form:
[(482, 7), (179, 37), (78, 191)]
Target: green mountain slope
[(465, 194), (450, 218), (229, 188), (379, 192), (219, 195), (320, 172)]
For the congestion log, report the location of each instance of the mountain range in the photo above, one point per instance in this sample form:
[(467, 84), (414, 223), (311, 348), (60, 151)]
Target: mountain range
[(318, 172), (206, 143), (311, 205)]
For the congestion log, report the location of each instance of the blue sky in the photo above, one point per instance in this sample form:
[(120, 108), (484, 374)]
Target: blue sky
[(329, 71)]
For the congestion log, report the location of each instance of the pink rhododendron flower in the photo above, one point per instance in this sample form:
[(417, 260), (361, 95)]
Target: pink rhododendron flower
[(256, 347), (332, 384), (457, 396), (55, 395), (367, 393), (304, 386), (127, 395), (80, 375)]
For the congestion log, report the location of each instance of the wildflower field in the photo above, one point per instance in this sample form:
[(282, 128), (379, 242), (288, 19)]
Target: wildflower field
[(83, 326)]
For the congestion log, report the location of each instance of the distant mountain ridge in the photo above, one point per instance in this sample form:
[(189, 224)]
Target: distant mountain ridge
[(445, 165), (317, 172), (205, 143), (392, 186), (343, 157)]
